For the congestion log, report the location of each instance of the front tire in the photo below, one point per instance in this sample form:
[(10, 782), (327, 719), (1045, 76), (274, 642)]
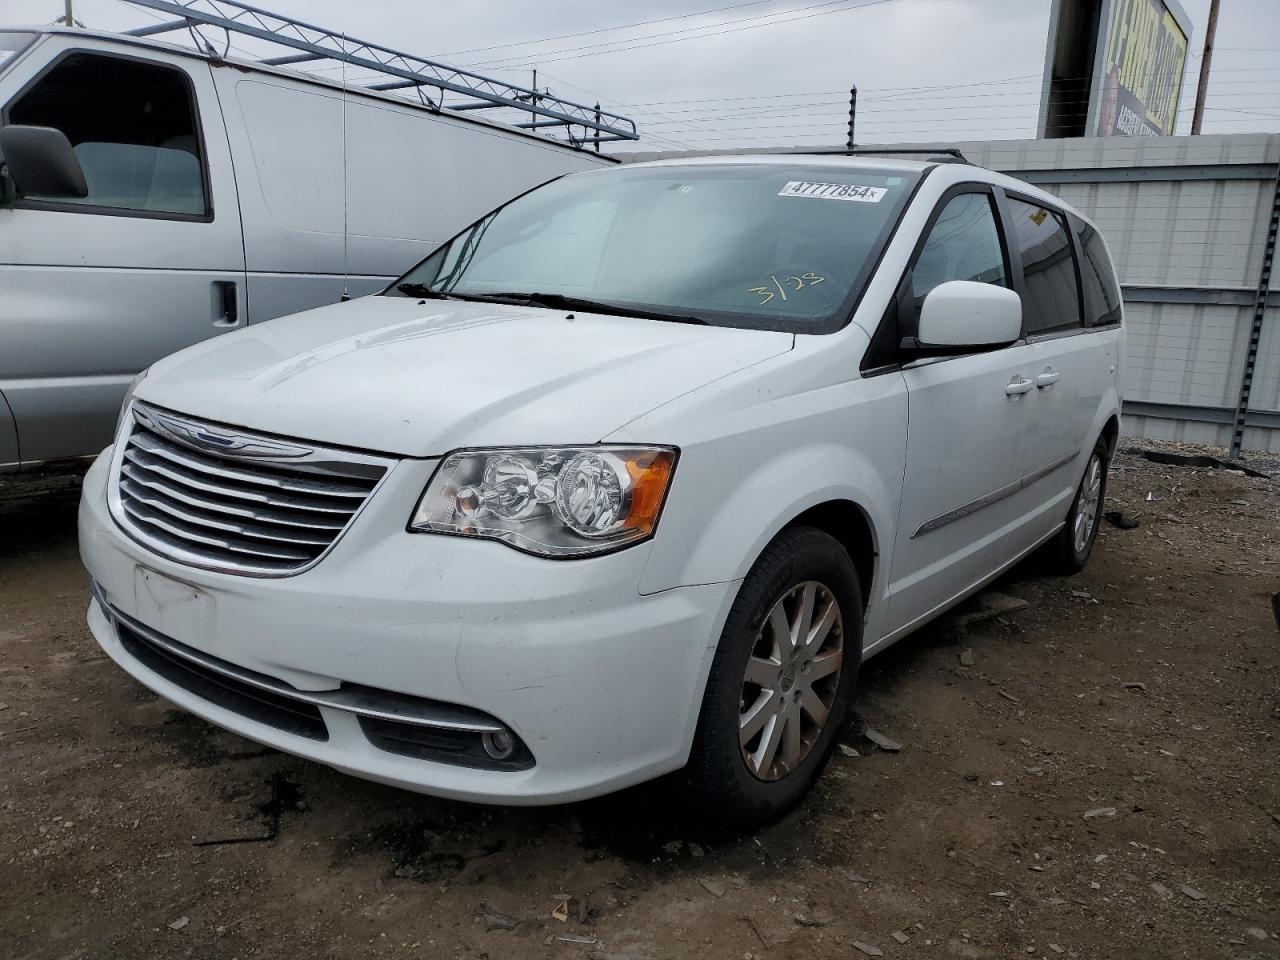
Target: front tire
[(780, 683), (1069, 551)]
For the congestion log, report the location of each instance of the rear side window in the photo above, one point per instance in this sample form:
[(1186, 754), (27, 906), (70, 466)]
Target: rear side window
[(132, 126), (963, 244), (1051, 301), (1101, 291)]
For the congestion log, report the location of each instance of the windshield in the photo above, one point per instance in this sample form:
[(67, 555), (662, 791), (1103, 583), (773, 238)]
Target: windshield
[(764, 246), (11, 44)]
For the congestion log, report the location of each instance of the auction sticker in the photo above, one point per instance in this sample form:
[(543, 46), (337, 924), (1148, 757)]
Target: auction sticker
[(832, 191)]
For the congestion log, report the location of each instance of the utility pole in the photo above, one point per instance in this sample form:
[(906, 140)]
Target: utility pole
[(1203, 88), (853, 109)]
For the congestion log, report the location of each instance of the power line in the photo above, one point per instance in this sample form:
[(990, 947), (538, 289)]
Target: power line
[(819, 93), (832, 133), (588, 33), (808, 109), (831, 121), (659, 125), (835, 122), (505, 61), (610, 101), (908, 93), (766, 96), (591, 50)]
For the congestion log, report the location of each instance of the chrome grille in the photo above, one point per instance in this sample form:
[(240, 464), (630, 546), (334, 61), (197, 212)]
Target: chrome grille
[(227, 499)]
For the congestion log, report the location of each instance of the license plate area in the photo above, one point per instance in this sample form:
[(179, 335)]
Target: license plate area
[(176, 609)]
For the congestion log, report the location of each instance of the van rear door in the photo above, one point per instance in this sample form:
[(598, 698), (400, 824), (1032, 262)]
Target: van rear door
[(152, 260)]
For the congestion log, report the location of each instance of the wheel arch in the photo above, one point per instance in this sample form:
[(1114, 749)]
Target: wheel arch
[(1111, 434), (851, 525)]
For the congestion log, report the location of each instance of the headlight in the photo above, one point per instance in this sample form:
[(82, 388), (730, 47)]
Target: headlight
[(128, 397), (552, 501)]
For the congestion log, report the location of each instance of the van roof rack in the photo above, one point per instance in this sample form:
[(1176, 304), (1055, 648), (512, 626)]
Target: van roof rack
[(581, 125), (937, 154)]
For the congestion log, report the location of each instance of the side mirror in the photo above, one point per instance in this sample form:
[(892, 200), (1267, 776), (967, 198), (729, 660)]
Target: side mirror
[(41, 163), (963, 314)]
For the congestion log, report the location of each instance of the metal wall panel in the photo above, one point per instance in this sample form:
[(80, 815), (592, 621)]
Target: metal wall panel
[(1164, 336), (1266, 378)]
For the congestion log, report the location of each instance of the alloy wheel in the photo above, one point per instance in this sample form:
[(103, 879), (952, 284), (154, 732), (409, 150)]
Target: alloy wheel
[(1090, 500), (790, 682)]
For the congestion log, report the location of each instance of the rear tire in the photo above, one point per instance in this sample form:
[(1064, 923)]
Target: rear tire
[(1069, 551), (773, 707)]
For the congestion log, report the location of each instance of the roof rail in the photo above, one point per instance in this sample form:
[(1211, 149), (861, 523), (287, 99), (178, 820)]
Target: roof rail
[(941, 154), (581, 125)]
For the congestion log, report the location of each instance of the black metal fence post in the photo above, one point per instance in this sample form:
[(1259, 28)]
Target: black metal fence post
[(853, 110), (1255, 329)]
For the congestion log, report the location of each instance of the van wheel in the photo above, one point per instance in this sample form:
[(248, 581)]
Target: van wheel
[(1069, 551), (780, 683)]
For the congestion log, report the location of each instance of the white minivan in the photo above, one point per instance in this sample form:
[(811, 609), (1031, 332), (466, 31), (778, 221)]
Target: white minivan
[(625, 479)]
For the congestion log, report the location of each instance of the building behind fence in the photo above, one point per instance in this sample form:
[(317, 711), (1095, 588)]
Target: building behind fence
[(1191, 224)]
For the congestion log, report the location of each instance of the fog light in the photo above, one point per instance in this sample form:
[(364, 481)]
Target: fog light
[(500, 745)]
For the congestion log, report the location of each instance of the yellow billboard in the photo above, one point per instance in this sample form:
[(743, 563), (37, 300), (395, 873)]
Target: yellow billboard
[(1141, 68)]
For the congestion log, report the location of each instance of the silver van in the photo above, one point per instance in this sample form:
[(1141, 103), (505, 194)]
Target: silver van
[(152, 196)]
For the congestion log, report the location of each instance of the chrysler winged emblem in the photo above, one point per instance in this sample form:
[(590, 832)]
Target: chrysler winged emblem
[(211, 439)]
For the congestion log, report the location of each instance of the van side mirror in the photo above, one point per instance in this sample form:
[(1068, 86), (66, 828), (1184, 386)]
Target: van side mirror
[(962, 315), (41, 163)]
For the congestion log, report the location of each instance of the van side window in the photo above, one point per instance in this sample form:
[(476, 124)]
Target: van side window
[(1101, 292), (963, 244), (1051, 301), (132, 126)]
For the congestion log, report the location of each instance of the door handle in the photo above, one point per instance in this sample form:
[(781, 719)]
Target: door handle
[(1048, 378), (226, 303), (1018, 386)]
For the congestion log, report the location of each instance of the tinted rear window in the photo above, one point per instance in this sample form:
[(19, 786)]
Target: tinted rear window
[(1040, 237), (1102, 299)]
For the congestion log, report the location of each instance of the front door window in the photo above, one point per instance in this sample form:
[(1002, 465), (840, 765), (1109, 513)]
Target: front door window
[(133, 128)]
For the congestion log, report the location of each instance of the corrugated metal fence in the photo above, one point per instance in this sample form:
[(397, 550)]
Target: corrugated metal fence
[(1187, 220)]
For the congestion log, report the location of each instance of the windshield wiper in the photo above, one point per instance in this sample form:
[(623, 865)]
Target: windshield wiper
[(422, 291), (558, 301)]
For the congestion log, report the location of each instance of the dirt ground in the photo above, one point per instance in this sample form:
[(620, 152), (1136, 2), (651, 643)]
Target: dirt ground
[(1095, 776)]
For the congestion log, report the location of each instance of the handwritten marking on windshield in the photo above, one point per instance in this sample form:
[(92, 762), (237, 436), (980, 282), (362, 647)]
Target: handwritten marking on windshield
[(800, 282)]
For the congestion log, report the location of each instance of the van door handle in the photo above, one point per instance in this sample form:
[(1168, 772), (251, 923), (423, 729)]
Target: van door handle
[(1018, 386), (1048, 378), (226, 303)]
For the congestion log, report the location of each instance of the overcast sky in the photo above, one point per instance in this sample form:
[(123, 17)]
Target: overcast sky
[(720, 73)]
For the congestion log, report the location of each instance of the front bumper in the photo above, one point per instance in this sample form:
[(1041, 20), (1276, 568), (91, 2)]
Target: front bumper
[(602, 684)]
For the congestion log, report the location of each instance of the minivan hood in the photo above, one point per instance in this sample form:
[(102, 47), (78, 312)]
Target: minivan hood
[(418, 379)]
